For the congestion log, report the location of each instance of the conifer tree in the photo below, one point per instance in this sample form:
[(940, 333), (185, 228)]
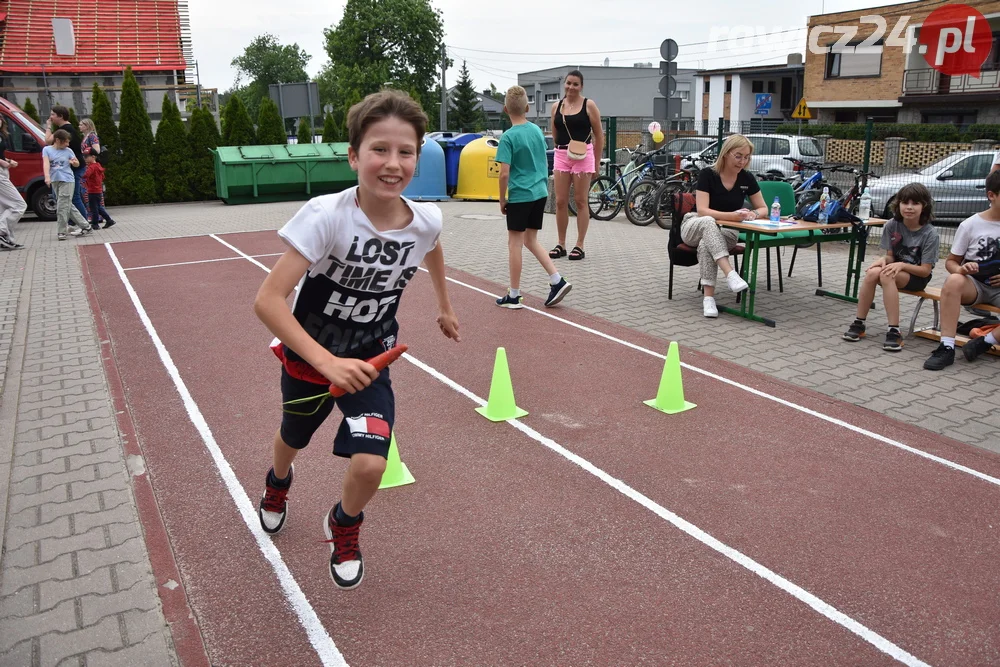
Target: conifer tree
[(173, 155), (138, 184), (270, 128)]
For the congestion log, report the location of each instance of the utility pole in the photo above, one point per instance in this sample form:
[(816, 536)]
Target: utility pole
[(444, 89)]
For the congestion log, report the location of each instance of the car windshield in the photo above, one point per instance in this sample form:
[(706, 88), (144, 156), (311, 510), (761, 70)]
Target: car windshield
[(941, 164), (30, 122)]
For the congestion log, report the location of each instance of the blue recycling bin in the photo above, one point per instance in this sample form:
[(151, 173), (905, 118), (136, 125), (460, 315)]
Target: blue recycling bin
[(428, 182), (452, 149)]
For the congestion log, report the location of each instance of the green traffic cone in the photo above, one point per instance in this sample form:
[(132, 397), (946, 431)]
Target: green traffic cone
[(670, 395), (396, 473), (500, 407)]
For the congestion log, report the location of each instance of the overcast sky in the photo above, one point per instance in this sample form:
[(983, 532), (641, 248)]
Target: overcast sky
[(615, 30)]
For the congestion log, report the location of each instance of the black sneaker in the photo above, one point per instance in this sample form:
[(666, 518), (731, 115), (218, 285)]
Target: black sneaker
[(109, 223), (512, 302), (347, 567), (855, 332), (893, 341), (273, 508), (557, 292), (940, 358), (974, 348)]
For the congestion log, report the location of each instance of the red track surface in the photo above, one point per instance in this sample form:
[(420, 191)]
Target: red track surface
[(504, 552)]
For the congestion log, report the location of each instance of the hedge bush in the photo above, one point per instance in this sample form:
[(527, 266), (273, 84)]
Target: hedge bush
[(331, 132), (138, 184), (305, 135), (173, 154), (270, 128)]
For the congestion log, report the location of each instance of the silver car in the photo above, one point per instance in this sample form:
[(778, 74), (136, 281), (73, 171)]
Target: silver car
[(957, 184)]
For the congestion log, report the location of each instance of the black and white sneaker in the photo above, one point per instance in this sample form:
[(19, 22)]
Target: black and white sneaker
[(855, 332), (7, 244), (347, 567), (940, 358), (557, 292), (273, 508), (974, 348), (893, 341), (512, 302)]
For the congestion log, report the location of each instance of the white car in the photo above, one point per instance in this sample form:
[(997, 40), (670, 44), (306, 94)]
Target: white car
[(769, 153)]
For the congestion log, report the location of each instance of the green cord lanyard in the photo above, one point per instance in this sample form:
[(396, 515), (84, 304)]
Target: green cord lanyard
[(298, 401)]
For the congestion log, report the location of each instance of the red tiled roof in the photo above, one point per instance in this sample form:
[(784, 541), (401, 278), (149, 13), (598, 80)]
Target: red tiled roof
[(110, 34)]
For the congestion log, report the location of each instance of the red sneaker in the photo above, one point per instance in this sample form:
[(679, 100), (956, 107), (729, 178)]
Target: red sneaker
[(347, 567), (273, 508)]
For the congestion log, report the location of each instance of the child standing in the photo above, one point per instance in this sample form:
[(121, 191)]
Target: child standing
[(351, 254), (912, 245), (524, 166), (93, 180), (58, 162), (974, 265)]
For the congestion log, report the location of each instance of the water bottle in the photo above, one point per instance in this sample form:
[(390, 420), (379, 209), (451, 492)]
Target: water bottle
[(775, 210), (865, 205), (823, 200)]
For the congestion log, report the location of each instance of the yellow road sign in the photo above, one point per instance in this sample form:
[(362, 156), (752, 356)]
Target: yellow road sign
[(802, 110)]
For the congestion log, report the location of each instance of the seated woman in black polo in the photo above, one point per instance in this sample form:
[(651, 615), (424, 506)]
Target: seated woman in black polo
[(722, 189)]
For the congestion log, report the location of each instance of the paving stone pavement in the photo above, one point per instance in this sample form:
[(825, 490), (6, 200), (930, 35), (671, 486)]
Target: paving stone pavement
[(76, 586)]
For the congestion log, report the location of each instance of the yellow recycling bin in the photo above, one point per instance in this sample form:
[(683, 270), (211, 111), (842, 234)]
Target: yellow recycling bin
[(478, 171)]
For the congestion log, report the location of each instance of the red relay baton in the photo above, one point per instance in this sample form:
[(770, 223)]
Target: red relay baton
[(380, 362)]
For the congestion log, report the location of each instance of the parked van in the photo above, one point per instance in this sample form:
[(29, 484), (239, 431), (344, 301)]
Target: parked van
[(27, 140)]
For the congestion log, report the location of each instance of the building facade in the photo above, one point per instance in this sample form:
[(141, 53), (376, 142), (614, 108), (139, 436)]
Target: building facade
[(152, 37), (618, 91), (734, 94), (893, 82)]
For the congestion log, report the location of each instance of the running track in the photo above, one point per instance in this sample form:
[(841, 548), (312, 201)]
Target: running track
[(771, 525)]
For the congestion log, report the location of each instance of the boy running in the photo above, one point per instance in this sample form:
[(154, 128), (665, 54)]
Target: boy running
[(351, 254), (525, 167)]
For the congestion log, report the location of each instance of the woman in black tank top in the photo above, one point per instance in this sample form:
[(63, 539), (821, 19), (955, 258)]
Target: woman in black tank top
[(574, 118)]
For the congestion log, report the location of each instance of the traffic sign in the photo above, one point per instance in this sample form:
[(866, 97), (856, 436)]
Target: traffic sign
[(802, 111), (668, 50), (668, 86), (668, 68), (763, 104), (667, 108)]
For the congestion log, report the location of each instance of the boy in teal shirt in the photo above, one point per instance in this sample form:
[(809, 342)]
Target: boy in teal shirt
[(524, 166)]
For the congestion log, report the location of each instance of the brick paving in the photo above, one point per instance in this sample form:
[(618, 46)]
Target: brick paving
[(76, 586)]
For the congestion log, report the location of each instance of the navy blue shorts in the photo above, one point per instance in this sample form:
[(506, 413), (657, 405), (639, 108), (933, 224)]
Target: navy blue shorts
[(368, 416)]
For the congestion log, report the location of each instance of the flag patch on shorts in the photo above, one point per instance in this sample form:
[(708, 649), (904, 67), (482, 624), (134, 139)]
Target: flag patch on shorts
[(368, 425)]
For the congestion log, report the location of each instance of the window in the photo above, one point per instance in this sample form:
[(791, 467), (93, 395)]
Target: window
[(531, 99), (551, 97), (975, 167), (844, 65), (809, 148), (22, 141), (992, 63), (684, 94), (757, 87), (729, 85), (772, 86), (707, 84)]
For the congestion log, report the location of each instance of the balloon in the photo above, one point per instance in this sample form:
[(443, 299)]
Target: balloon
[(657, 136), (654, 127)]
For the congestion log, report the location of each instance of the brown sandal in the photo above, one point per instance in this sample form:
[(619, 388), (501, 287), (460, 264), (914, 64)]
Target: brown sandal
[(557, 252)]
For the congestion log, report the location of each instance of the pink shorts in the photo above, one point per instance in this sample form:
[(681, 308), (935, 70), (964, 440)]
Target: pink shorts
[(562, 163)]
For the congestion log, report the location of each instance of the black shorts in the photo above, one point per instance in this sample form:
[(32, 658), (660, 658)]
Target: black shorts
[(916, 283), (368, 416), (525, 215)]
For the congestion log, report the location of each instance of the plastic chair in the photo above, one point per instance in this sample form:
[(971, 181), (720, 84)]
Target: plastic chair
[(680, 253)]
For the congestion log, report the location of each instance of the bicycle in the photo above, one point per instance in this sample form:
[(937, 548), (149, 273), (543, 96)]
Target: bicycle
[(640, 199), (608, 195), (685, 180)]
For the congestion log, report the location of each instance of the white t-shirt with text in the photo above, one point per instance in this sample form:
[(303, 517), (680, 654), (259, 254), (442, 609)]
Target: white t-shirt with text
[(348, 299), (978, 240)]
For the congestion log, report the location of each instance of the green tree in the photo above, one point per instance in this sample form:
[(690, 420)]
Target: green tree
[(107, 132), (237, 128), (29, 108), (353, 97), (172, 155), (465, 111), (270, 128), (266, 61), (379, 41), (74, 121), (305, 131), (138, 185), (331, 132), (204, 138)]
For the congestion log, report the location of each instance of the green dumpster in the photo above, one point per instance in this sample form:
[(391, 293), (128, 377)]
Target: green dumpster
[(246, 174)]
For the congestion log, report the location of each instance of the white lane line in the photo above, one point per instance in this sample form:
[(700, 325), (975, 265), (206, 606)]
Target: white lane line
[(818, 605), (240, 252), (318, 636), (799, 593), (795, 406), (200, 261)]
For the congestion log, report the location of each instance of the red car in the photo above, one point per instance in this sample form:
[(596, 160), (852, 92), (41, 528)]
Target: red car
[(27, 140)]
